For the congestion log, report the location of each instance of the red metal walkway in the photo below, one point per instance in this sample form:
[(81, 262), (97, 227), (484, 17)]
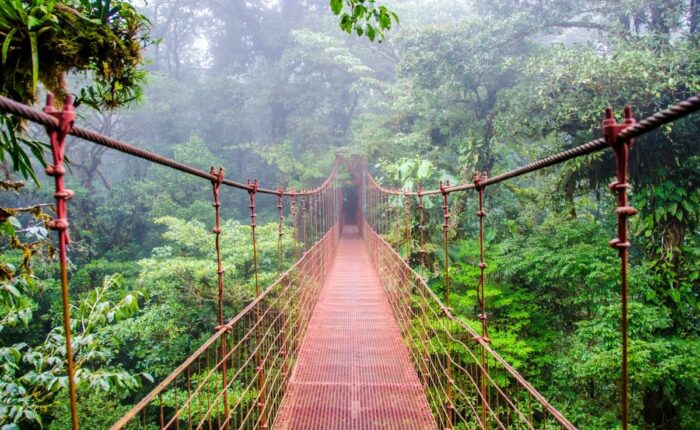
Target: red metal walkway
[(354, 371)]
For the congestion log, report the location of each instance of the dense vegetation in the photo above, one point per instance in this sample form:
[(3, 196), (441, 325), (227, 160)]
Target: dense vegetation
[(276, 90)]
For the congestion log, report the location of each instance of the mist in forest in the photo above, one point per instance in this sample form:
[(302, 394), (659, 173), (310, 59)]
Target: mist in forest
[(278, 90)]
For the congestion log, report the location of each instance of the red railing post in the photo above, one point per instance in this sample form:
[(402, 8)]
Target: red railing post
[(423, 310), (421, 230), (478, 178), (312, 218), (283, 284), (445, 229), (396, 213), (260, 364), (57, 137), (293, 204), (407, 233), (303, 221), (407, 290), (216, 185), (621, 148), (280, 229), (387, 216)]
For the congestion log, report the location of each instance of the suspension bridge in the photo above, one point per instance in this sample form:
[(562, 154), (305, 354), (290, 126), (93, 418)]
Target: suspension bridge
[(350, 336)]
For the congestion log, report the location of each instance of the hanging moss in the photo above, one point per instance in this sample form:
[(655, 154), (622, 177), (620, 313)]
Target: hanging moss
[(87, 38)]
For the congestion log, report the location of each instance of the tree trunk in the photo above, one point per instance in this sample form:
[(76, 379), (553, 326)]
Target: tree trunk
[(673, 237), (694, 16)]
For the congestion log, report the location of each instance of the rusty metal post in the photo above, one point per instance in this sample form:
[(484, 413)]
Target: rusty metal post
[(421, 256), (312, 218), (216, 185), (621, 148), (387, 216), (375, 206), (283, 284), (303, 222), (421, 230), (325, 212), (407, 214), (260, 364), (385, 208), (295, 312), (293, 204), (395, 218), (478, 178), (57, 137), (382, 215), (379, 202), (280, 230), (446, 228), (397, 213), (317, 214)]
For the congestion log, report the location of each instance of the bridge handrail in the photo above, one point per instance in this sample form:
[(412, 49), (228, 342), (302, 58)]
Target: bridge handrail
[(21, 110), (475, 336), (321, 203), (650, 123), (160, 388)]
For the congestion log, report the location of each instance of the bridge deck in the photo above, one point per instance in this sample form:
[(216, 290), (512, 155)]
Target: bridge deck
[(354, 372)]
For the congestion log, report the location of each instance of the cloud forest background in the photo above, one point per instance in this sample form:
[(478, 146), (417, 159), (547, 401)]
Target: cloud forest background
[(275, 90)]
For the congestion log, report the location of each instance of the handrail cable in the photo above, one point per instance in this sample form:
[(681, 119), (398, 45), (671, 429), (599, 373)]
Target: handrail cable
[(10, 106)]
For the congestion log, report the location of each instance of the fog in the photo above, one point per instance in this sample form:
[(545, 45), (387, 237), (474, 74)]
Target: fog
[(276, 90)]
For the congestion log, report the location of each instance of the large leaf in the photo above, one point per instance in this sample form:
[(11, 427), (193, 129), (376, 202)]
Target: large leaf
[(35, 58), (336, 6), (6, 44)]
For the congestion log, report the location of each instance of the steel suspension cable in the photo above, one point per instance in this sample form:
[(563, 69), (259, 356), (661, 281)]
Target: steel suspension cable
[(20, 110), (619, 137), (646, 125)]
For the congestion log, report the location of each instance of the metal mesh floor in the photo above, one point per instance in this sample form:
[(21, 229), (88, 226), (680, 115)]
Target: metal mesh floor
[(354, 372)]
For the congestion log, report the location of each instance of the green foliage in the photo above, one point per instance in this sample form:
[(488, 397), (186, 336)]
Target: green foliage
[(659, 367), (181, 281), (34, 376), (512, 309), (33, 29), (98, 410), (554, 313), (191, 259), (12, 149), (486, 86), (17, 280), (44, 40), (364, 17), (411, 173)]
